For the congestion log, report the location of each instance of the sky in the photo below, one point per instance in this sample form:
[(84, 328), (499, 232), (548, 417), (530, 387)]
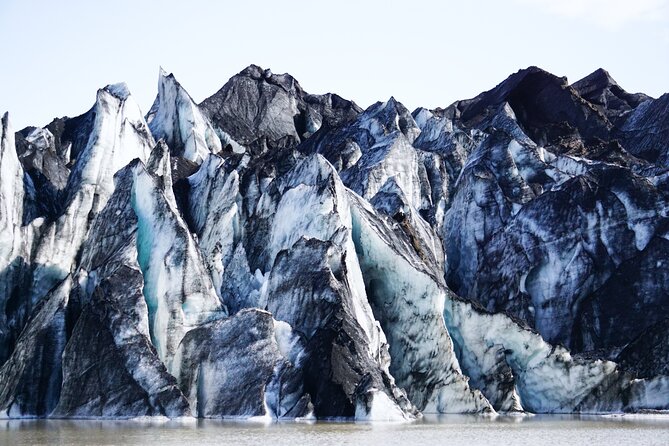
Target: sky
[(55, 55)]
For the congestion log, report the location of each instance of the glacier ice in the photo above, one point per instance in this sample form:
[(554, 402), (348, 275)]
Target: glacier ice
[(273, 254), (118, 135), (423, 359), (36, 362), (11, 217), (178, 291)]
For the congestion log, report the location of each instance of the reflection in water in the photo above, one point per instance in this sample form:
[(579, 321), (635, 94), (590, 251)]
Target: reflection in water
[(431, 430)]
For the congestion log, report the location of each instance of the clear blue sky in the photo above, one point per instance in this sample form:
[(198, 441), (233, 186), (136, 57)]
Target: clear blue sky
[(56, 54)]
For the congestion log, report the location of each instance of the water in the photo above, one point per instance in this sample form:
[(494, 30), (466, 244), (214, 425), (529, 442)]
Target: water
[(445, 430)]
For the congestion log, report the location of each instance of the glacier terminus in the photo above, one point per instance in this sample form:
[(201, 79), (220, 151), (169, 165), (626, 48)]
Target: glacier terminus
[(275, 254)]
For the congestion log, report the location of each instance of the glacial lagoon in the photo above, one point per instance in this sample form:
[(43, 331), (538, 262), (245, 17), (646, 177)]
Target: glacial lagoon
[(452, 430)]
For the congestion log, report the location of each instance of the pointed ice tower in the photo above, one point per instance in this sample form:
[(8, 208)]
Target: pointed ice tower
[(11, 214), (176, 118), (11, 192), (119, 134)]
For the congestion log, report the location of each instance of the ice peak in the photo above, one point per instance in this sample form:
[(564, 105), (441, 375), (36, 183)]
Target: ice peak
[(119, 90), (600, 77), (135, 164), (311, 171), (6, 138), (391, 115), (6, 126), (257, 73), (595, 83), (176, 118), (167, 78), (392, 105), (169, 81), (533, 72), (253, 70)]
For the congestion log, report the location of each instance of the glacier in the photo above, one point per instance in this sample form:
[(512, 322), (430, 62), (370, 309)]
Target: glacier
[(274, 254)]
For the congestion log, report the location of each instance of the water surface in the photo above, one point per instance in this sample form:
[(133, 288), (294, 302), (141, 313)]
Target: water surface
[(443, 430)]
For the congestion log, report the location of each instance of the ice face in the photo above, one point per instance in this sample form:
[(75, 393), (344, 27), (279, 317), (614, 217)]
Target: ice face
[(178, 291), (110, 368), (315, 280), (532, 233), (217, 223), (219, 358), (37, 359), (423, 360), (547, 378)]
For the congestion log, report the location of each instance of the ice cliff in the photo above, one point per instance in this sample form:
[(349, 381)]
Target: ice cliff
[(278, 254)]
